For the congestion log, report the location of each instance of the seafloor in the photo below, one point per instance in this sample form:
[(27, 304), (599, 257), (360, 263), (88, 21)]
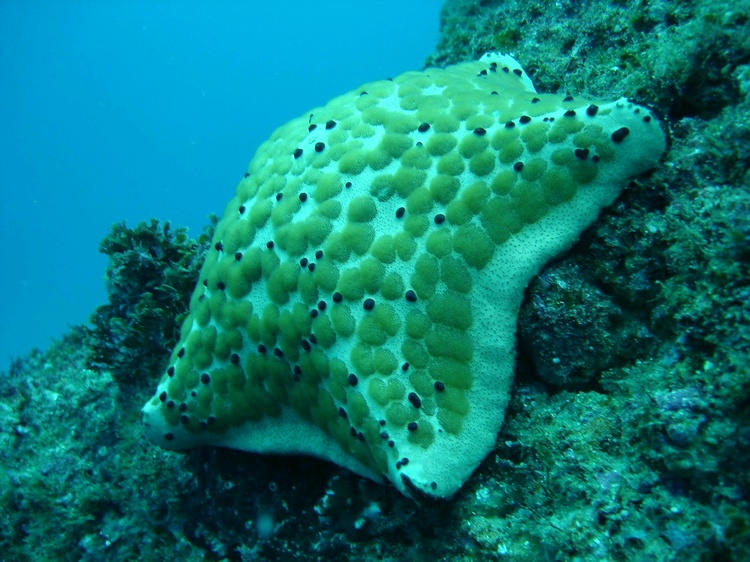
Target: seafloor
[(631, 443)]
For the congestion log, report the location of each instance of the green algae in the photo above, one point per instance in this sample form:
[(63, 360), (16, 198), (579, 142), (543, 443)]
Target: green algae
[(151, 273)]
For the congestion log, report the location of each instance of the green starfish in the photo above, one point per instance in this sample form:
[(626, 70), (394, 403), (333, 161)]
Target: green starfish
[(360, 300)]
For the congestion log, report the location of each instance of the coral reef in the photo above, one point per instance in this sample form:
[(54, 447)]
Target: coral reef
[(636, 452)]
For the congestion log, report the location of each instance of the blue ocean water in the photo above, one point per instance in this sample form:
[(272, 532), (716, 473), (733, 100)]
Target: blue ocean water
[(121, 110)]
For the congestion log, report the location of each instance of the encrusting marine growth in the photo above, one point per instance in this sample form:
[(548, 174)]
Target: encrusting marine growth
[(359, 303)]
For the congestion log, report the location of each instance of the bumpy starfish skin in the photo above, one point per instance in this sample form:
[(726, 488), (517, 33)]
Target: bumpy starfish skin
[(360, 300)]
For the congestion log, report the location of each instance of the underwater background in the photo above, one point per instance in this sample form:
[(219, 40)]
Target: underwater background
[(118, 111), (628, 432)]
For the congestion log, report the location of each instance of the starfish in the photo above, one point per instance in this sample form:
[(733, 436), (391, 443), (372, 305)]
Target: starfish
[(360, 300)]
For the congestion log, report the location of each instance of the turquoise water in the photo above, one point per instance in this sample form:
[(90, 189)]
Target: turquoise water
[(130, 110)]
